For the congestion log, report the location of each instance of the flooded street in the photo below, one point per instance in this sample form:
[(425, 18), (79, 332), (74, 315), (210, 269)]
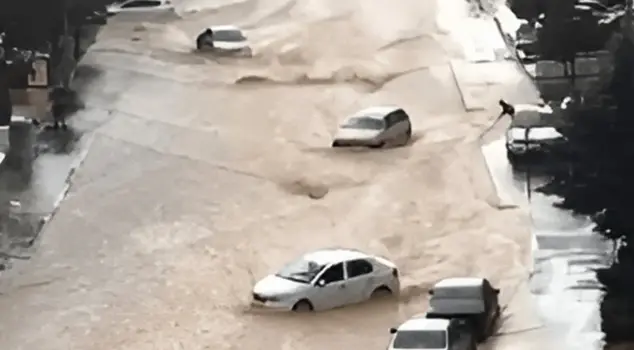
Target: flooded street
[(200, 171)]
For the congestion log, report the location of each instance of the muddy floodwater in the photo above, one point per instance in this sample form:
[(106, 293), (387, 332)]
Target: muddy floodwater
[(201, 171)]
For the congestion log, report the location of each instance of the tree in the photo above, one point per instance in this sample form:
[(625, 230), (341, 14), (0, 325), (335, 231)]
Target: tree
[(569, 30), (558, 24), (31, 23), (597, 179)]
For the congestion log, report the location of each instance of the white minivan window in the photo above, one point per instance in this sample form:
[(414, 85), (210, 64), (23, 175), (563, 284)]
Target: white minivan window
[(228, 36), (141, 3), (364, 123), (424, 339)]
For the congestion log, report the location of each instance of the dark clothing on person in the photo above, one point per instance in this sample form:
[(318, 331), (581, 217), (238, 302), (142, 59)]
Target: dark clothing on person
[(60, 98), (204, 39), (507, 108), (6, 107)]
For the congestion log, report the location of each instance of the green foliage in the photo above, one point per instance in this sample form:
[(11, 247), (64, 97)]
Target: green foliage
[(598, 178), (567, 31)]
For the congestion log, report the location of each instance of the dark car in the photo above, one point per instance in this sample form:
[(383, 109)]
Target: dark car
[(472, 299), (526, 42)]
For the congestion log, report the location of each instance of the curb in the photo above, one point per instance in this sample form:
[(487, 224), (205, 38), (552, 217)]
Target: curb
[(68, 184), (465, 105), (513, 53), (530, 264)]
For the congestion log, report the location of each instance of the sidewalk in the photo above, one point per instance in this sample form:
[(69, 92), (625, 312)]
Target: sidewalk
[(33, 180)]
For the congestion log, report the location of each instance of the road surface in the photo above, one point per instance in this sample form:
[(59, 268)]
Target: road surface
[(199, 172)]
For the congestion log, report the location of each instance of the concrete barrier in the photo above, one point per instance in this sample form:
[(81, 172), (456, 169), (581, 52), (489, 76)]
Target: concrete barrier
[(30, 102)]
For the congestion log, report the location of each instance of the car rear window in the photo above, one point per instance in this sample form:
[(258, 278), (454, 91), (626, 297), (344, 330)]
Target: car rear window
[(366, 123), (420, 339), (470, 292), (228, 35)]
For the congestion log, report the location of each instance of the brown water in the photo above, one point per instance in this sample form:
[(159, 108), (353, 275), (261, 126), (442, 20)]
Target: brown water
[(199, 176)]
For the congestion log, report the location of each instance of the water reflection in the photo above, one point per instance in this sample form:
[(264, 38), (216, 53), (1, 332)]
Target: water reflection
[(566, 254), (604, 189), (596, 176)]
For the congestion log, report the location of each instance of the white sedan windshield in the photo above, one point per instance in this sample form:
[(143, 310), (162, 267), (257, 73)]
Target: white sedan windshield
[(420, 340), (366, 123), (301, 270)]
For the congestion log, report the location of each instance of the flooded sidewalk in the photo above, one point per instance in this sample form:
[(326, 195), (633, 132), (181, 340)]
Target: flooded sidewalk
[(34, 179)]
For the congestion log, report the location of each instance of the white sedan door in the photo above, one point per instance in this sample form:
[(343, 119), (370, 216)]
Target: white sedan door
[(360, 280), (136, 6), (331, 289)]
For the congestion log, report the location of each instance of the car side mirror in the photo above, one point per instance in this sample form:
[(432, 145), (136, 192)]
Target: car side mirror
[(392, 330), (496, 291), (321, 283), (430, 292)]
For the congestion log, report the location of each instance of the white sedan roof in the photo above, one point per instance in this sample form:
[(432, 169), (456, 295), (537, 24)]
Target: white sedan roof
[(377, 112), (226, 27), (420, 323), (335, 255), (535, 134), (540, 108), (458, 282), (163, 2)]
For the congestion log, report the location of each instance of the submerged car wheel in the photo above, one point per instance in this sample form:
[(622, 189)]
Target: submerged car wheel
[(303, 306), (512, 157), (377, 145), (381, 292), (407, 137)]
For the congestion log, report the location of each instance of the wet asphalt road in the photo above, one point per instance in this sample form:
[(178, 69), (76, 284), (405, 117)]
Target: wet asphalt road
[(565, 254)]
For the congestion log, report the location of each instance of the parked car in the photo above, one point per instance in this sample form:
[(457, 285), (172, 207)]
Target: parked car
[(532, 131), (471, 299), (420, 333), (591, 5), (525, 142), (375, 127), (327, 279), (526, 37), (223, 39), (140, 6)]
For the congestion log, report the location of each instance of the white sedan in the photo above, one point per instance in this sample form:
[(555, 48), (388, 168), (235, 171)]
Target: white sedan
[(422, 333), (140, 6), (375, 127), (327, 279), (223, 39)]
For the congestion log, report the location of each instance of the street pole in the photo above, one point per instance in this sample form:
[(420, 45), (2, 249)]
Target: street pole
[(628, 18), (528, 169)]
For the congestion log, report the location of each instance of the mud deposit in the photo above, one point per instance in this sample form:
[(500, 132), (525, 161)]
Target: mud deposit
[(206, 173)]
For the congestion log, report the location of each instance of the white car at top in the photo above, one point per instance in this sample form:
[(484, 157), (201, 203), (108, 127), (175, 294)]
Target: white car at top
[(327, 279), (223, 39), (140, 6)]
